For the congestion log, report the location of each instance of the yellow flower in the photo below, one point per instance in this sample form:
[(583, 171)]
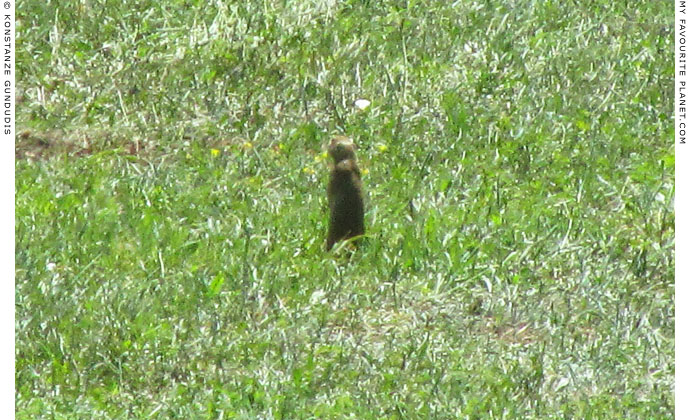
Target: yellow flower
[(382, 147), (308, 171), (247, 145), (215, 152), (365, 171), (320, 157)]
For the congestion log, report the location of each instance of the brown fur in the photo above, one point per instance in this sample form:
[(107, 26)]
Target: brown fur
[(344, 193)]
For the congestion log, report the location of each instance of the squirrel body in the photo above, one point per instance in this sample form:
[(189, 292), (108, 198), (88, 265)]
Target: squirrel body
[(345, 200)]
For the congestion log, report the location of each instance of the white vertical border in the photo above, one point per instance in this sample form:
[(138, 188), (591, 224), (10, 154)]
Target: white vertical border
[(7, 128), (682, 141)]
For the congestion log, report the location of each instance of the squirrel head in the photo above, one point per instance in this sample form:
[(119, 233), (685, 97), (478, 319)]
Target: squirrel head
[(341, 148)]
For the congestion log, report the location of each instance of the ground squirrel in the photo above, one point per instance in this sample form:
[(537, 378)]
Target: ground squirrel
[(344, 193)]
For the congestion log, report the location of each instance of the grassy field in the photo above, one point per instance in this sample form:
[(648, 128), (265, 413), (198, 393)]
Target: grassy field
[(171, 210)]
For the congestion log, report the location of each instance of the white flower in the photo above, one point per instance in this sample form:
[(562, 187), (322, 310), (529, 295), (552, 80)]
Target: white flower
[(362, 104)]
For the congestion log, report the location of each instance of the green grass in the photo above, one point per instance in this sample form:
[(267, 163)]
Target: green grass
[(171, 210)]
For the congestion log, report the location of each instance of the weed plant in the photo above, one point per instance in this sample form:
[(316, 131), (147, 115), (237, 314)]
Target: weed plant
[(171, 210)]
